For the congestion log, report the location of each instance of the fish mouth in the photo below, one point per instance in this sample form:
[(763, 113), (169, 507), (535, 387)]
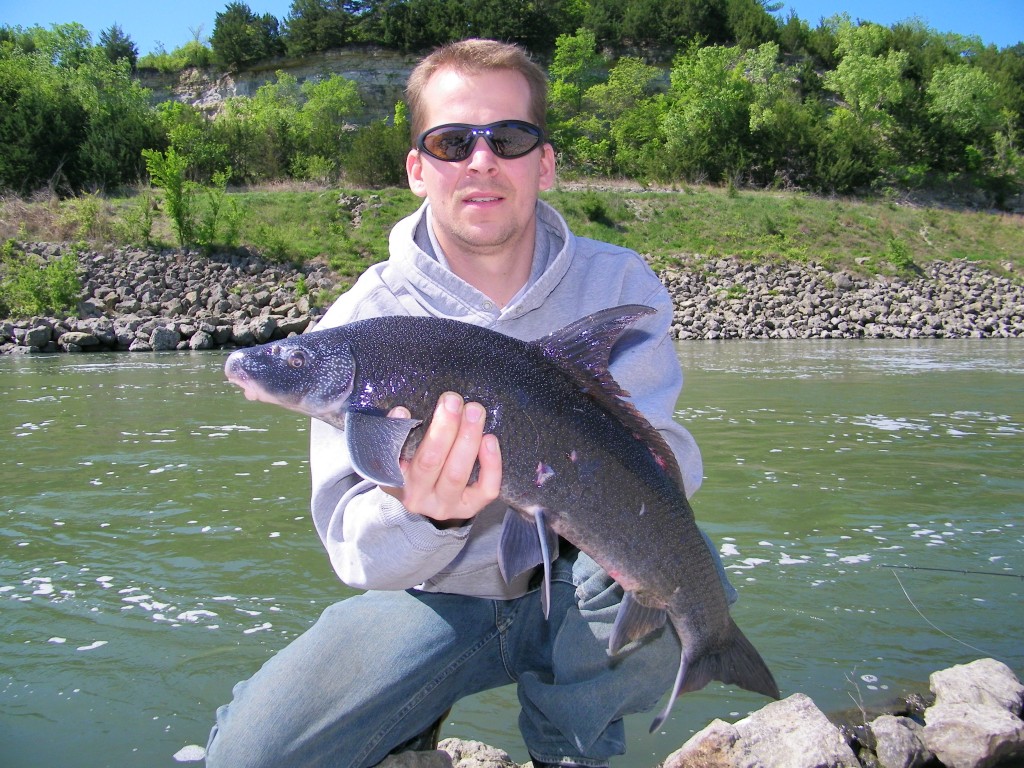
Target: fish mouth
[(235, 373)]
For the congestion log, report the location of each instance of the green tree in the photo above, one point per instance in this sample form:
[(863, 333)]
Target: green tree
[(861, 139), (117, 45), (964, 99), (64, 45), (575, 68), (121, 122), (319, 25), (620, 123), (323, 127), (193, 137), (168, 170), (706, 126), (260, 132), (42, 124), (751, 22), (241, 37), (377, 156)]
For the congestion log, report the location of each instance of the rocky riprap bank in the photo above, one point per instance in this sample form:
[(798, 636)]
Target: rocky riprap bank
[(145, 301), (729, 299), (972, 720), (139, 300)]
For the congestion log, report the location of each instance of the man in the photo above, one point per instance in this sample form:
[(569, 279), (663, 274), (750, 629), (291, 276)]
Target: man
[(378, 672)]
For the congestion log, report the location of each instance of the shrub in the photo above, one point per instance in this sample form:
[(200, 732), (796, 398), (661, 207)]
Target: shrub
[(29, 286)]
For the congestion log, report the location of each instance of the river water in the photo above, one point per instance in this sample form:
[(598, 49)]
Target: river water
[(157, 546)]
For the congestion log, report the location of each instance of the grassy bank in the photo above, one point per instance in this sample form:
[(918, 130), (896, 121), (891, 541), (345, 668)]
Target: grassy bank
[(348, 228)]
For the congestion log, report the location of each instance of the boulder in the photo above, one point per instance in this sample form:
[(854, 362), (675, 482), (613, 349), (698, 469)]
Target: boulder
[(899, 742), (475, 754), (975, 721), (792, 732), (164, 338)]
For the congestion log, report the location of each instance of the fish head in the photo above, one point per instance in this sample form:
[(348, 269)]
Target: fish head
[(311, 374)]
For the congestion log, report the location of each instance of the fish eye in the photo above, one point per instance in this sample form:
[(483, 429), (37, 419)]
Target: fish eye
[(296, 358)]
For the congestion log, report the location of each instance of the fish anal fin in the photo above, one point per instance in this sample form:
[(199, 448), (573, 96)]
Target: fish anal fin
[(375, 445), (633, 622), (738, 663)]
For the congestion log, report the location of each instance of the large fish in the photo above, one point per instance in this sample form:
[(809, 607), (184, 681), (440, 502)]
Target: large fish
[(579, 461)]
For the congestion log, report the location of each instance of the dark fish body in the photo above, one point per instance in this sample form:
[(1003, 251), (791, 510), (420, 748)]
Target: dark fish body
[(578, 460)]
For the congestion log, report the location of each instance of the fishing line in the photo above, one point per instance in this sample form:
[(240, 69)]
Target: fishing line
[(966, 645), (956, 570)]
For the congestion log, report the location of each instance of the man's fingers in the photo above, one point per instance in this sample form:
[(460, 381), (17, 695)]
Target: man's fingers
[(437, 478), (432, 452), (488, 482)]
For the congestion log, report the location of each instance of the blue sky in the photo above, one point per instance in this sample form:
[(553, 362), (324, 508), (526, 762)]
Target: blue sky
[(174, 23)]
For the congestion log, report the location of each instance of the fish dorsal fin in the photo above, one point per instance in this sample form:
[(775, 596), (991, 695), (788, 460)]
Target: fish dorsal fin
[(582, 351)]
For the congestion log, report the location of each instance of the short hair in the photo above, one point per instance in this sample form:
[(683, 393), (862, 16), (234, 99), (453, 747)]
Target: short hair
[(471, 57)]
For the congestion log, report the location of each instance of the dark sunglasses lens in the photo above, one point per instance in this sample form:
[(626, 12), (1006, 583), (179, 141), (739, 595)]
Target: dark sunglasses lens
[(454, 143), (514, 140), (449, 143)]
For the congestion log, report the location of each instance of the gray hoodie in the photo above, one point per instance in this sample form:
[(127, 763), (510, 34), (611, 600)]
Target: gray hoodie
[(372, 540)]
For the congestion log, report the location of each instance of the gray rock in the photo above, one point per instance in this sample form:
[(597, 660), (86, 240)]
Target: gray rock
[(200, 340), (792, 732), (975, 721), (965, 736), (37, 336), (432, 759), (164, 338), (242, 335), (77, 341), (985, 682), (475, 754), (263, 328), (899, 742)]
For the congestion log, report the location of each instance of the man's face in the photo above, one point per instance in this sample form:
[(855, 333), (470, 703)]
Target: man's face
[(483, 205)]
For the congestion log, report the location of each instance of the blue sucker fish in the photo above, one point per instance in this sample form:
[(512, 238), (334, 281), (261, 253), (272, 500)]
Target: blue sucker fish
[(578, 460)]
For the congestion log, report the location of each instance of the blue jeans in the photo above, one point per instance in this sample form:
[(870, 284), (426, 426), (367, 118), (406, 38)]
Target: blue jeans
[(380, 668)]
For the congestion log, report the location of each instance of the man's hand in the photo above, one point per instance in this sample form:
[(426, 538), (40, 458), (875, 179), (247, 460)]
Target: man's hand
[(437, 477)]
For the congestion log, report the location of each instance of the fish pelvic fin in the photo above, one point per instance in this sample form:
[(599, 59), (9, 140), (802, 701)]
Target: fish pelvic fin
[(524, 545), (738, 663), (634, 621)]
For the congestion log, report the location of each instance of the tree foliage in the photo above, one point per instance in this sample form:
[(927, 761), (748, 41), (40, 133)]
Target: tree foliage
[(668, 90), (241, 37), (117, 45), (70, 118)]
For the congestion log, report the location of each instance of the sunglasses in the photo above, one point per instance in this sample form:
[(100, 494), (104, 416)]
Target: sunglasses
[(453, 142)]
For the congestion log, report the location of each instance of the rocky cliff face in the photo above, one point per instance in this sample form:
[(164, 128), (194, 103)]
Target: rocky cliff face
[(379, 74)]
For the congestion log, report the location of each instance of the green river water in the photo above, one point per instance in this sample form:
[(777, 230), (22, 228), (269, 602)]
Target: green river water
[(156, 544)]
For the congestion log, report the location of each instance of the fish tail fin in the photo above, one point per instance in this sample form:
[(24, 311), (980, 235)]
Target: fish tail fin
[(738, 663)]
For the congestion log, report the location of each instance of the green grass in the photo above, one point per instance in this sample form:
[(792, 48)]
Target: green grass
[(864, 236), (348, 229)]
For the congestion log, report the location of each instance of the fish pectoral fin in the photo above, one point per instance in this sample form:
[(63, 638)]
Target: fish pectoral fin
[(375, 445), (525, 545), (633, 622)]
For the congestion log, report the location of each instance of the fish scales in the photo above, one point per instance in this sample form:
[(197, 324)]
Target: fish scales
[(575, 455)]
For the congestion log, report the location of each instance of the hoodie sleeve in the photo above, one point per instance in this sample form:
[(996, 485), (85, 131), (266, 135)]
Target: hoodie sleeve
[(373, 542)]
